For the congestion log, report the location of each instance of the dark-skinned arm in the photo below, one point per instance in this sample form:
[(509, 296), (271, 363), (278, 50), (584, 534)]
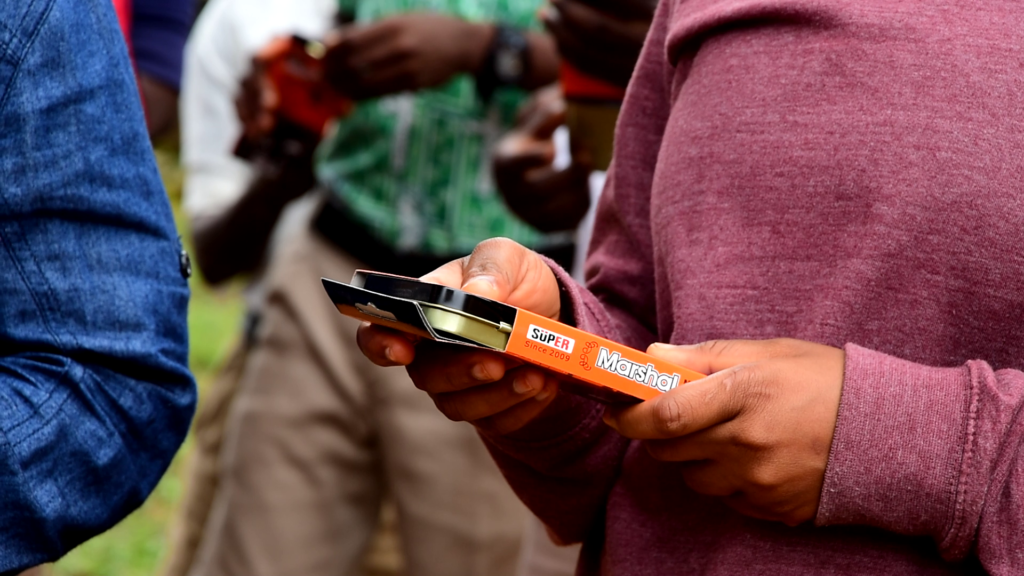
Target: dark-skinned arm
[(602, 38), (422, 50), (234, 241), (160, 102)]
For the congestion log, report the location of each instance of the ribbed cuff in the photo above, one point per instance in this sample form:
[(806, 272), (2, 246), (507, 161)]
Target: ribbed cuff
[(579, 307), (898, 446)]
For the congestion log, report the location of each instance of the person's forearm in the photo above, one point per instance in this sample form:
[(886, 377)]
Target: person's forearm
[(565, 468), (544, 60), (564, 463), (235, 241), (161, 105)]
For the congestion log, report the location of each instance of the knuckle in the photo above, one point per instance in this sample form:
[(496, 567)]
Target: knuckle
[(658, 450), (490, 425), (450, 407), (752, 441), (503, 426), (671, 413), (714, 347), (415, 373), (452, 380), (791, 519), (779, 347), (704, 478), (765, 477), (405, 46), (748, 386)]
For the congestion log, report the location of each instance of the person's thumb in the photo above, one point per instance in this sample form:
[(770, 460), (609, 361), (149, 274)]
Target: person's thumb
[(717, 355), (503, 270)]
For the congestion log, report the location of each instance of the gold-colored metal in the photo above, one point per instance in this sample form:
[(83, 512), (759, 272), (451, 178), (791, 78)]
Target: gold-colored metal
[(473, 328), (316, 49)]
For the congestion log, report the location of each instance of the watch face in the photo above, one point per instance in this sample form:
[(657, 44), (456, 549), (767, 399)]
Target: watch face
[(508, 64)]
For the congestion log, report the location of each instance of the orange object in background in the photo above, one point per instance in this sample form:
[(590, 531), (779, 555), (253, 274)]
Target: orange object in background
[(579, 86), (294, 67)]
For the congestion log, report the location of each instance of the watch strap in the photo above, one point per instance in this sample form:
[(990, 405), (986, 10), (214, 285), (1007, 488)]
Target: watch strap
[(507, 62)]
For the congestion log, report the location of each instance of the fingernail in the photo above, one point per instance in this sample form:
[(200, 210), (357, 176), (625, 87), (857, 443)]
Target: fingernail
[(522, 385), (390, 354), (483, 283), (480, 373), (663, 348)]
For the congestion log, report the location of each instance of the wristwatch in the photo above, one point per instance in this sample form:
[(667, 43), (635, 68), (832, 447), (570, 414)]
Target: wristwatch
[(507, 62)]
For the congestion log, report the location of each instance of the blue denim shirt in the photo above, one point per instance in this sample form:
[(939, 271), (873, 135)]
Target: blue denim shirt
[(95, 392)]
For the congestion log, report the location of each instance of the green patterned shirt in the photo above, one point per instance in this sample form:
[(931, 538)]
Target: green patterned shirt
[(414, 168)]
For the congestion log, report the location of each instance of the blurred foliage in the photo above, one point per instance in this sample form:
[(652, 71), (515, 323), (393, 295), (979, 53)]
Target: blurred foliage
[(136, 546)]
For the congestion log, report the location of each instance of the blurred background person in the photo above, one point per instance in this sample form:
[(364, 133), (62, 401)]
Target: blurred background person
[(316, 433), (155, 31), (556, 189), (251, 196)]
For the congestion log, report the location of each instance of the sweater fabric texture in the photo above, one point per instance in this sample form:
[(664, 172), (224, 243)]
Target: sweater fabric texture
[(844, 172)]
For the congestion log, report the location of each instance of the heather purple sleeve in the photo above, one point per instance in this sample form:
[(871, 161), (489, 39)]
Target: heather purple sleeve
[(564, 464), (620, 267), (934, 452)]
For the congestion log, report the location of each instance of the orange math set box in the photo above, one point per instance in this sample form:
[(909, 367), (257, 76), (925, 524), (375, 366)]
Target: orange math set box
[(593, 366)]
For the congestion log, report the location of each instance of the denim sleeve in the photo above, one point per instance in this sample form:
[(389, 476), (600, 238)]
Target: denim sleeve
[(95, 392)]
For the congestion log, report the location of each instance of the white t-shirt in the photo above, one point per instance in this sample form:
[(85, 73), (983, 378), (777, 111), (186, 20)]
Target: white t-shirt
[(218, 55)]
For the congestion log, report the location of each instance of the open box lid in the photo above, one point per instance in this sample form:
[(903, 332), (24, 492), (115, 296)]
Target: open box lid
[(427, 310)]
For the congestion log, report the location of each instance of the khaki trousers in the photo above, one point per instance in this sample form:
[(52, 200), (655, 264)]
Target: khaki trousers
[(317, 435)]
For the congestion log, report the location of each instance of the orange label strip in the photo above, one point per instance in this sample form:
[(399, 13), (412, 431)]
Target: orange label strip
[(592, 359)]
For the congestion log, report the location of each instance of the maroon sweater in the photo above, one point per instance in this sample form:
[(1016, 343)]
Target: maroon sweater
[(849, 172)]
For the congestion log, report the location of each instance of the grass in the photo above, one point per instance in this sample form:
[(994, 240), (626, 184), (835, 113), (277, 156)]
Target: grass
[(136, 546)]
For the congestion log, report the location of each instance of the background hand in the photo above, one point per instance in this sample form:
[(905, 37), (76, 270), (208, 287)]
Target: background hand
[(257, 103), (406, 52), (551, 200), (281, 150), (601, 37), (488, 389), (757, 432)]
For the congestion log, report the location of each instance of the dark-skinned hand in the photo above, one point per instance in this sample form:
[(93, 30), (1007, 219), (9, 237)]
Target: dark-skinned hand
[(403, 53), (488, 389), (280, 150), (257, 102), (602, 38), (756, 432), (551, 200)]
